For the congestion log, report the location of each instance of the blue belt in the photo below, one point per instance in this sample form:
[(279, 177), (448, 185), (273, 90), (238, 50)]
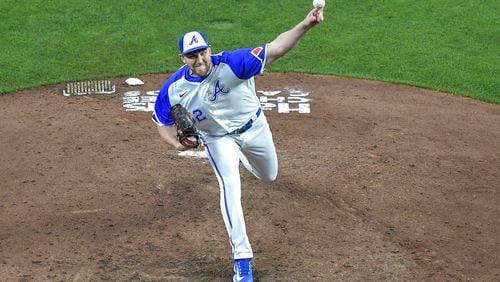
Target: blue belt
[(248, 124)]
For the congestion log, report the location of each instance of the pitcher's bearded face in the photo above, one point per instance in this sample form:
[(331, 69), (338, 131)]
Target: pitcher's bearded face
[(199, 62)]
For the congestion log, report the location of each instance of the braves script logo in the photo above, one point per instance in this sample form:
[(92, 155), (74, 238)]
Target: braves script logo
[(219, 88)]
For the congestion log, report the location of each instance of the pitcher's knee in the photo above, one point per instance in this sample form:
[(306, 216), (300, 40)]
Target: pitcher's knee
[(271, 176)]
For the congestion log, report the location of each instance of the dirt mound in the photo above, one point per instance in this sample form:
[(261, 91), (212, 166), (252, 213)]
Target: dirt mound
[(376, 182)]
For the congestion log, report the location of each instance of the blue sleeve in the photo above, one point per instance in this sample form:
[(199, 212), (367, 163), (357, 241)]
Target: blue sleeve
[(161, 114), (246, 62)]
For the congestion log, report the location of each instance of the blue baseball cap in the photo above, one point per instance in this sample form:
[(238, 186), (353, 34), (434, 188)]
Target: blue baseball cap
[(192, 41)]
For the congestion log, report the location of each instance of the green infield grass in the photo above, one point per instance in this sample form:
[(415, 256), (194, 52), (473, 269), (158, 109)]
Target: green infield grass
[(450, 46)]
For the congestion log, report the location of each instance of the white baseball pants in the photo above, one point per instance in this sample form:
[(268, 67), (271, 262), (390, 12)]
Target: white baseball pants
[(255, 149)]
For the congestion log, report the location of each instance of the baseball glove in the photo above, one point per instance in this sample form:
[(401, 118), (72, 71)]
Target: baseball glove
[(186, 131)]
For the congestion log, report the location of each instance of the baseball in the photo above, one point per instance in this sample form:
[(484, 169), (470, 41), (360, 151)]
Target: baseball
[(319, 3)]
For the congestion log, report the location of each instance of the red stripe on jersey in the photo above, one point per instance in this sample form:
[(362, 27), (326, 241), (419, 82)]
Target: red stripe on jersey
[(256, 51)]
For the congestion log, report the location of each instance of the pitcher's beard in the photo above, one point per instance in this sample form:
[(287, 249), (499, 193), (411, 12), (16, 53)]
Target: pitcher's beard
[(202, 70)]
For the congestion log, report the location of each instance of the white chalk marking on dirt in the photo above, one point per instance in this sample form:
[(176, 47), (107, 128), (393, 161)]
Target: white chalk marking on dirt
[(285, 101), (134, 101), (87, 211), (290, 100), (194, 154), (159, 185), (89, 87), (302, 108)]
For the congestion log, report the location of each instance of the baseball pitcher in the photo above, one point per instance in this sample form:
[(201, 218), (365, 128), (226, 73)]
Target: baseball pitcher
[(212, 99)]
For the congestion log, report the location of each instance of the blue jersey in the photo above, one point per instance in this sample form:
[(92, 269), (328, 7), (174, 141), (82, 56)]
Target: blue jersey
[(222, 101)]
